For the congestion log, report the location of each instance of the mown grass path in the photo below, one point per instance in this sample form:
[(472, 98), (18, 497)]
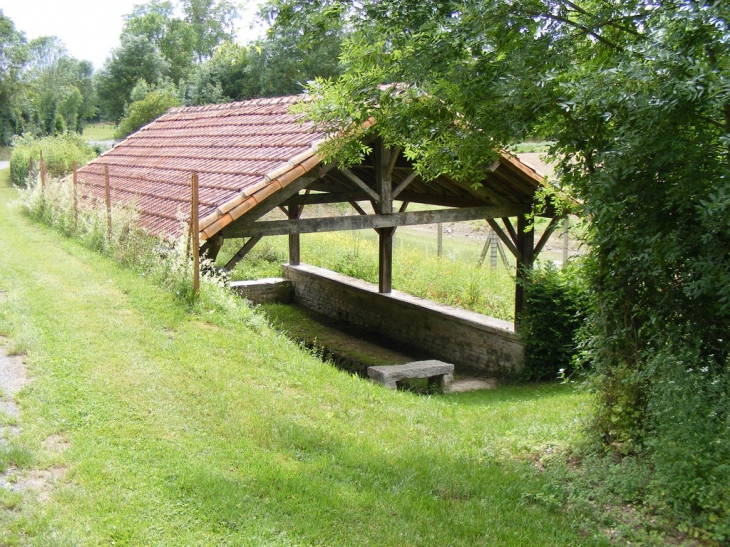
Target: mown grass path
[(165, 427)]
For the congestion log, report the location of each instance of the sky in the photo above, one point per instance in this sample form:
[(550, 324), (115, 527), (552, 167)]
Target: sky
[(90, 29)]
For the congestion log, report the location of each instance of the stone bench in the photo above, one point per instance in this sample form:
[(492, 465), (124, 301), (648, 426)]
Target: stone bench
[(437, 372)]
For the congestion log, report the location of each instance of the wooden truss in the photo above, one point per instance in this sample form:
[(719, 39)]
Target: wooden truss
[(386, 177)]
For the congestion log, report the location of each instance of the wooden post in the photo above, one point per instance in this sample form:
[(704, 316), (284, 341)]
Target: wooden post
[(566, 241), (525, 246), (385, 247), (384, 205), (439, 239), (76, 202), (43, 172), (294, 213), (195, 232), (30, 172), (108, 198)]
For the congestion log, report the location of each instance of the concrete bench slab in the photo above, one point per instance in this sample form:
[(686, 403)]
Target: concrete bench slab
[(437, 372)]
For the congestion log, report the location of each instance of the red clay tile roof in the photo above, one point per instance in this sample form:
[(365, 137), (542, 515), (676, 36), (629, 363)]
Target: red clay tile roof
[(237, 149), (243, 152)]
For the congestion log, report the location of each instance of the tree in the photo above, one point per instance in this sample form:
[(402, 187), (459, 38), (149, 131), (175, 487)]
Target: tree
[(13, 56), (173, 38), (212, 22), (279, 65), (137, 59), (153, 104), (638, 96)]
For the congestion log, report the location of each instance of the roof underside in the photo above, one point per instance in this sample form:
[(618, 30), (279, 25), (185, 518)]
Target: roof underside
[(244, 153)]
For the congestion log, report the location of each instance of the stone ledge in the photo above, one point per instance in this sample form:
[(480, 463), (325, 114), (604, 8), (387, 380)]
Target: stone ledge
[(389, 375)]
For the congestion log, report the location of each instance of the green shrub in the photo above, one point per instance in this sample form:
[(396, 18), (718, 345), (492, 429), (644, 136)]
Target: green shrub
[(142, 112), (689, 411), (554, 307), (59, 155)]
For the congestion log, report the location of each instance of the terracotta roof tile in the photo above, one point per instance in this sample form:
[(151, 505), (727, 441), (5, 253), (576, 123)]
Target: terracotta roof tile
[(243, 152), (234, 148)]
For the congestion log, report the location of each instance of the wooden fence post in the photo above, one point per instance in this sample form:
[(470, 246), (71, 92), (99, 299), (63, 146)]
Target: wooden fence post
[(108, 196), (43, 173), (76, 202), (195, 232)]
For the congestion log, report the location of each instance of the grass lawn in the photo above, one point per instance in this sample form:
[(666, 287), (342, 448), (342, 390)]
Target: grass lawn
[(155, 425), (99, 132)]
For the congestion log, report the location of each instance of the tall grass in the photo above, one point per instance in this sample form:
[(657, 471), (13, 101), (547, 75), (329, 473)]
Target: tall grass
[(451, 282)]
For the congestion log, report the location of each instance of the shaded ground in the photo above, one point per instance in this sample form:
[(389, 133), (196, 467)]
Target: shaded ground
[(350, 347)]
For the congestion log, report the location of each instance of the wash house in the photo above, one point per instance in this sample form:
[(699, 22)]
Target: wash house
[(254, 160)]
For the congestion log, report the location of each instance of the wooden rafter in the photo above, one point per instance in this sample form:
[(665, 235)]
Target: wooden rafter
[(352, 177)]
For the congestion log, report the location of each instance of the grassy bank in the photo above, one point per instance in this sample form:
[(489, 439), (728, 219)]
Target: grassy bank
[(154, 424)]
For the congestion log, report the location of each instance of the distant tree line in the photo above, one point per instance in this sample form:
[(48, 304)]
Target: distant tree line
[(169, 54)]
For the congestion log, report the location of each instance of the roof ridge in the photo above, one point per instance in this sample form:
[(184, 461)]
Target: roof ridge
[(260, 101)]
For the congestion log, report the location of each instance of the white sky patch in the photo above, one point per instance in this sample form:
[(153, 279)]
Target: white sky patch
[(90, 29)]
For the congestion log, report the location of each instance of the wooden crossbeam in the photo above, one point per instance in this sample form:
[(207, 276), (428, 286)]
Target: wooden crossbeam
[(333, 224), (404, 183), (510, 243), (352, 177), (243, 251), (546, 235)]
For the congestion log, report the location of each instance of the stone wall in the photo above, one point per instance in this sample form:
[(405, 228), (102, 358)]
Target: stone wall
[(270, 289), (471, 341)]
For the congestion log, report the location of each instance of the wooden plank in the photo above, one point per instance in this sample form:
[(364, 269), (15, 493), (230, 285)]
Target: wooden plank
[(334, 224), (352, 177)]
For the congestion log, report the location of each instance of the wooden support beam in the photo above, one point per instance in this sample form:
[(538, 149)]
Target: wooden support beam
[(385, 270), (212, 247), (334, 224), (394, 153), (325, 198), (357, 208), (242, 252), (294, 213), (510, 228), (404, 206), (357, 181), (546, 235), (194, 230), (526, 246), (504, 237), (383, 182), (404, 183)]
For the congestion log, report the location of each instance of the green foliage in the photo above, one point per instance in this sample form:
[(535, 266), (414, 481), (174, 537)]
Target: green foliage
[(636, 96), (141, 112), (689, 412), (555, 307), (13, 57), (59, 155)]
